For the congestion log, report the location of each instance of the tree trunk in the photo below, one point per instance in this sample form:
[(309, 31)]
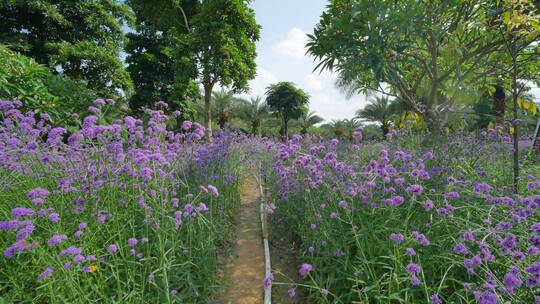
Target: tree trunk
[(385, 129), (255, 127), (222, 120), (208, 110), (499, 104), (284, 128), (515, 116), (431, 117)]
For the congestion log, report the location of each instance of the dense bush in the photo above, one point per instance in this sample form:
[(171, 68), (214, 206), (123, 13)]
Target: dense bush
[(21, 78)]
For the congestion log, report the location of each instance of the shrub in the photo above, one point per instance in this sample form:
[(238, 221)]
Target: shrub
[(22, 78)]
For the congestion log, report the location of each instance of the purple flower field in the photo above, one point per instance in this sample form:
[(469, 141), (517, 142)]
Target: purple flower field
[(392, 223), (123, 212), (292, 152), (129, 211)]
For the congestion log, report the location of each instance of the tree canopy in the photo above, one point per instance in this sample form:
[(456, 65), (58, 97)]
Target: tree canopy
[(223, 41), (81, 39), (161, 66), (430, 54), (288, 101)]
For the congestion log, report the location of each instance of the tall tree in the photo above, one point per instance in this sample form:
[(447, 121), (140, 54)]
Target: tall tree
[(430, 53), (378, 110), (81, 39), (288, 101), (160, 64), (520, 28), (223, 41)]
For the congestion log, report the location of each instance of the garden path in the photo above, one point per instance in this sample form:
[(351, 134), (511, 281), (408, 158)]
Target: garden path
[(245, 269)]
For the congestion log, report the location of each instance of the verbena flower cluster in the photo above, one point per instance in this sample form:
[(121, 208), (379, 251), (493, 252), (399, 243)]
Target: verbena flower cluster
[(385, 221), (124, 211)]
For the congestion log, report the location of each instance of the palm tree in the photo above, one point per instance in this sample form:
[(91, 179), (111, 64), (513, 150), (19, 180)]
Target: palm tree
[(223, 101), (350, 126), (381, 110), (309, 120), (252, 111), (343, 128), (337, 127)]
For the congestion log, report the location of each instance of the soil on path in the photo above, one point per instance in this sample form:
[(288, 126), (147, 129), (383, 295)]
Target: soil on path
[(244, 272)]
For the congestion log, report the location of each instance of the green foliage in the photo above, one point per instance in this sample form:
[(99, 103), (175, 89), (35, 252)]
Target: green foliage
[(159, 63), (341, 128), (431, 54), (99, 68), (21, 78), (81, 39), (380, 110), (253, 111), (164, 14), (371, 132), (223, 106), (308, 120), (223, 41), (288, 101), (485, 113)]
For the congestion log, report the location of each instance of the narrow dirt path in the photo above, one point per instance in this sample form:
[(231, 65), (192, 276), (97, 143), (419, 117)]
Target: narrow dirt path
[(245, 269)]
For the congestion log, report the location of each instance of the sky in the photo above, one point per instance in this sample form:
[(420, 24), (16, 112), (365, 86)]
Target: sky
[(281, 56)]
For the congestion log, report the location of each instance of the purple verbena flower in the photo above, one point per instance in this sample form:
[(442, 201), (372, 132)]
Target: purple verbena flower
[(54, 217), (435, 299), (48, 272), (57, 239), (305, 269), (410, 252), (267, 282), (112, 248), (413, 268), (37, 193), (71, 251), (397, 237), (21, 212)]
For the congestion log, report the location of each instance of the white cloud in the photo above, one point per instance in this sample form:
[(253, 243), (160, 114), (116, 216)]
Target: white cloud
[(330, 104), (260, 83), (313, 83), (282, 57), (293, 44)]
